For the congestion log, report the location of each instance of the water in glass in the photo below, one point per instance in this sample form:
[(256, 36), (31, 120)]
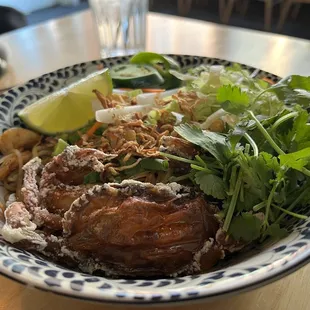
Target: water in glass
[(121, 25)]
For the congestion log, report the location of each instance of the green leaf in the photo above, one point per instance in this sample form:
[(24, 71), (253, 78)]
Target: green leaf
[(211, 184), (197, 70), (296, 160), (92, 178), (150, 58), (232, 99), (270, 161), (301, 128), (162, 64), (173, 106), (235, 138), (133, 171), (203, 109), (153, 117), (257, 173), (73, 138), (298, 137), (250, 200), (275, 231), (147, 164), (246, 227), (264, 165), (60, 147), (134, 93), (164, 115), (300, 82), (249, 126), (268, 105), (294, 89), (244, 78), (154, 164), (182, 76), (211, 82), (215, 143)]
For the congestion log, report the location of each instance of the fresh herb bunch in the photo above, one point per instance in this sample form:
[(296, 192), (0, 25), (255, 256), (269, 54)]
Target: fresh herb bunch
[(259, 169)]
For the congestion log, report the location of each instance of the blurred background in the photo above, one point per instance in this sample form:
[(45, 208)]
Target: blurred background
[(290, 17)]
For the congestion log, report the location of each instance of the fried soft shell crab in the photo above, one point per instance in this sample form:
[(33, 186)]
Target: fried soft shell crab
[(124, 229)]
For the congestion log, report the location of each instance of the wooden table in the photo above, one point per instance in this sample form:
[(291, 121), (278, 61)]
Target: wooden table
[(35, 50), (39, 49)]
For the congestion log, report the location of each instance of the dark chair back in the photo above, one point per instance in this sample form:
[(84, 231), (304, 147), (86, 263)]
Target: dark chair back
[(11, 19)]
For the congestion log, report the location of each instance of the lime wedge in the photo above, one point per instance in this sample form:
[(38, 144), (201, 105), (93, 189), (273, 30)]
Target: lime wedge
[(67, 109)]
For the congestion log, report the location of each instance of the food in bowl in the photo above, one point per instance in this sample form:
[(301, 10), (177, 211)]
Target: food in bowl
[(165, 179)]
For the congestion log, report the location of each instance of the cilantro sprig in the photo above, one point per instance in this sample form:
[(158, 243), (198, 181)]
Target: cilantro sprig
[(259, 170), (250, 178)]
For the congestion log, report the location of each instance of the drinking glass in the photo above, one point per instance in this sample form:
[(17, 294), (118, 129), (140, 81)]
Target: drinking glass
[(121, 25)]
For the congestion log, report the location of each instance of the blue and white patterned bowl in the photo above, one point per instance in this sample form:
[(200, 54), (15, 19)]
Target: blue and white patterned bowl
[(244, 272)]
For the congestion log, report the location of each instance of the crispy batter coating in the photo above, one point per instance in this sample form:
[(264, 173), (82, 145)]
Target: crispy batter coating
[(126, 229)]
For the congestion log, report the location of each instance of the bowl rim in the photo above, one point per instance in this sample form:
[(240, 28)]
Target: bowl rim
[(274, 275), (264, 275)]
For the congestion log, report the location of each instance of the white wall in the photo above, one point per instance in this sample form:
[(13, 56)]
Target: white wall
[(28, 6)]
